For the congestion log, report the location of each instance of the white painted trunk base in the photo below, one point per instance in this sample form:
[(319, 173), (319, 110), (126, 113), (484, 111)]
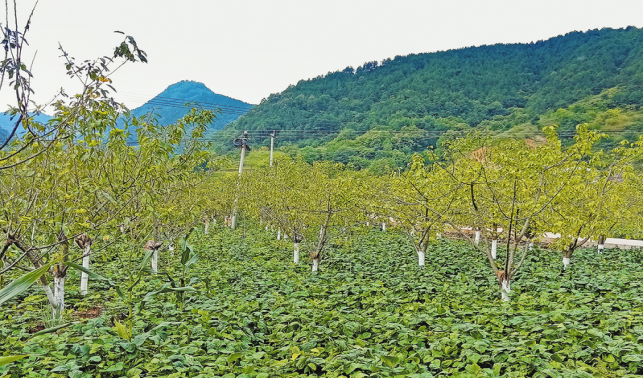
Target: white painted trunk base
[(505, 289), (494, 249), (296, 253), (477, 238), (566, 262), (84, 278), (384, 227), (315, 265), (59, 295), (155, 261), (531, 246), (421, 256), (50, 295), (285, 236), (207, 226), (601, 247), (279, 234), (368, 224)]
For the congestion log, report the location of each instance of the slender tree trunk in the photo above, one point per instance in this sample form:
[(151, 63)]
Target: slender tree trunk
[(477, 237), (60, 273), (36, 262), (601, 244), (84, 277), (296, 253), (207, 226), (567, 256), (505, 289), (279, 234), (494, 248), (384, 226), (421, 257), (317, 255), (155, 261)]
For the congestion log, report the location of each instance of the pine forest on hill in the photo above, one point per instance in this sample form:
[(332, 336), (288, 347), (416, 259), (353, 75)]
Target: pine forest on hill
[(377, 115)]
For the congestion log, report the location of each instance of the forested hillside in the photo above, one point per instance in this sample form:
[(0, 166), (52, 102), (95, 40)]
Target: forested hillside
[(7, 122), (381, 112), (170, 105)]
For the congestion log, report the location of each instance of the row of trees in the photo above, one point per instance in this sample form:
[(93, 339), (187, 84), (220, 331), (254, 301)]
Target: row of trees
[(502, 195)]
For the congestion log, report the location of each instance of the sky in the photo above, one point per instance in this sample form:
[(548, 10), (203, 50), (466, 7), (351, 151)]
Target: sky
[(250, 49)]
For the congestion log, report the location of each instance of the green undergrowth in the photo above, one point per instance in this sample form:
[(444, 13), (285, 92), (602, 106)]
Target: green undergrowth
[(369, 312)]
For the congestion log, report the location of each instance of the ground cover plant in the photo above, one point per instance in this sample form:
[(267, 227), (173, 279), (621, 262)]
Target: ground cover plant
[(369, 311)]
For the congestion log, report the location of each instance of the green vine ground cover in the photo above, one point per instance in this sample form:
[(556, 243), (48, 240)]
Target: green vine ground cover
[(369, 312)]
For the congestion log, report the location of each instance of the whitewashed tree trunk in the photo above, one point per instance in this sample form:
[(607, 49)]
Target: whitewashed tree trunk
[(50, 295), (531, 246), (59, 296), (421, 257), (155, 261), (279, 234), (207, 226), (296, 253), (494, 248), (384, 226), (566, 262), (266, 228), (601, 244), (505, 289), (321, 231), (84, 277), (368, 224), (477, 238), (438, 235), (316, 264), (285, 236), (601, 247)]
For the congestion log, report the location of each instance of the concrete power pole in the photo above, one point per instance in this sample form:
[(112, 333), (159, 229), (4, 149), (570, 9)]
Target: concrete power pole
[(272, 145), (243, 144)]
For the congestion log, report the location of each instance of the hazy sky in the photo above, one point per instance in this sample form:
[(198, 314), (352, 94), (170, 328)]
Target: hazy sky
[(250, 49)]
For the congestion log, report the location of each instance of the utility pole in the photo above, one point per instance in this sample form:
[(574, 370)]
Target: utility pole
[(243, 144), (272, 144)]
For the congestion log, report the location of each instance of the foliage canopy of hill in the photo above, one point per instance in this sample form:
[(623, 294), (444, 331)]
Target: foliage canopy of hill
[(169, 105), (413, 100)]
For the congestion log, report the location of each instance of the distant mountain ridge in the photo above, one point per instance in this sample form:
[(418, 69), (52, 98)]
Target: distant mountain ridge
[(382, 112), (7, 124), (170, 105)]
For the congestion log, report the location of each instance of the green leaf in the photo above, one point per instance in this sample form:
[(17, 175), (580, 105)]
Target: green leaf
[(50, 330), (390, 361), (21, 284), (118, 367), (192, 260), (153, 294), (234, 356), (4, 360)]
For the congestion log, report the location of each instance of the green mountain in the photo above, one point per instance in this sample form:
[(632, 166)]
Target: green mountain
[(378, 114), (7, 122), (170, 105)]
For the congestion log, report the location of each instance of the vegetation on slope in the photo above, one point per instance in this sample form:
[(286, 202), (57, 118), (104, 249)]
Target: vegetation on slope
[(385, 111)]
